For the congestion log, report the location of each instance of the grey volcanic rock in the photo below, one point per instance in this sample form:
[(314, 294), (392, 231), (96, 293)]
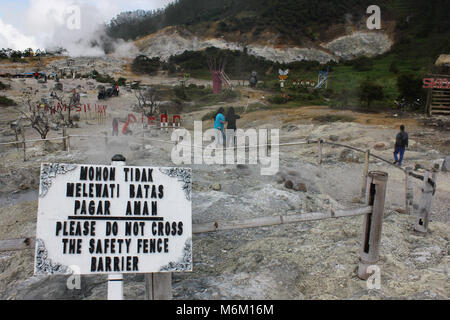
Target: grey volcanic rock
[(360, 44), (174, 41), (446, 164)]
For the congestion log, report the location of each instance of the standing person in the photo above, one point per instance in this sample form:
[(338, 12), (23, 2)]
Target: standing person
[(231, 126), (219, 123), (115, 126), (401, 143)]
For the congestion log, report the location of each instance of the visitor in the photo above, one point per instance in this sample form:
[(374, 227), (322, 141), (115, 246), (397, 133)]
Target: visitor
[(401, 142), (219, 121), (231, 127)]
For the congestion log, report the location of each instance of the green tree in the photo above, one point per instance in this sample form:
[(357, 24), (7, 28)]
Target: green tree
[(410, 86), (370, 91)]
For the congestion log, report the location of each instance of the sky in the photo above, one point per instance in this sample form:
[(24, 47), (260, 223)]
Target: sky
[(51, 23)]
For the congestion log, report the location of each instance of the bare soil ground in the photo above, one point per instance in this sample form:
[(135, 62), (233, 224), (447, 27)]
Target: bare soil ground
[(315, 260)]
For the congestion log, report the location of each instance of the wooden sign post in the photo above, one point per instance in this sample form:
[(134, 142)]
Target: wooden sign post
[(114, 220)]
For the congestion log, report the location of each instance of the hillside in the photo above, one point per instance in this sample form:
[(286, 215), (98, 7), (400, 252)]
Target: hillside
[(327, 26)]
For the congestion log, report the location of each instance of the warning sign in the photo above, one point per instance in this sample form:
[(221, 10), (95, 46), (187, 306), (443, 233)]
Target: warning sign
[(113, 219)]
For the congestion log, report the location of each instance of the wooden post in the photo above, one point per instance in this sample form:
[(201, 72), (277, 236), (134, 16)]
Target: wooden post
[(375, 197), (424, 211), (320, 151), (64, 134), (24, 145), (68, 142), (409, 192), (429, 100), (365, 173), (17, 139), (115, 281), (158, 286)]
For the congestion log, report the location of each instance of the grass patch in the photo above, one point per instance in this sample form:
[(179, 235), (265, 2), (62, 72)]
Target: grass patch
[(5, 102)]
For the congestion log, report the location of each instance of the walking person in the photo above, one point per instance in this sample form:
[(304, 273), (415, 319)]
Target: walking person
[(219, 122), (401, 143), (231, 127)]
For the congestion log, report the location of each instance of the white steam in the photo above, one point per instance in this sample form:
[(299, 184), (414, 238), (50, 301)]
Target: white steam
[(76, 26)]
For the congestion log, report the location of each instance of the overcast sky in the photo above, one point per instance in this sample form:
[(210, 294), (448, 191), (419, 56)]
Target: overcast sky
[(39, 23)]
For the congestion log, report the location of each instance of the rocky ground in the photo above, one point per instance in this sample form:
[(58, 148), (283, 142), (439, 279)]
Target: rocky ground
[(313, 260)]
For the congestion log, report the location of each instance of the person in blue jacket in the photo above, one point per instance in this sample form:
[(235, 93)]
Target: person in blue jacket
[(219, 125)]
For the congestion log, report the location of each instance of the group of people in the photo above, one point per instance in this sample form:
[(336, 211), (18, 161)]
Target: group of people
[(225, 137)]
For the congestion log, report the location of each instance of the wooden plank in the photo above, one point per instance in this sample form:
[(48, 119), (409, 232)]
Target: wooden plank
[(365, 173), (424, 210), (373, 222), (162, 286), (29, 243), (276, 220), (148, 286), (440, 112), (409, 192)]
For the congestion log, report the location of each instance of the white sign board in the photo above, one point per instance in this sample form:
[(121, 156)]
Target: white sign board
[(95, 219)]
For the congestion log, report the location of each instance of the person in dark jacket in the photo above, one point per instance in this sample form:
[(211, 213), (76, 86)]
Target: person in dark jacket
[(401, 143), (231, 126)]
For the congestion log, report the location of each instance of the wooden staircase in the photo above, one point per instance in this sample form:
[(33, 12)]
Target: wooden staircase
[(440, 102)]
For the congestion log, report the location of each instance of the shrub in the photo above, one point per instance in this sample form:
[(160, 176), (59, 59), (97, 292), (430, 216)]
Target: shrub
[(370, 91), (4, 86), (121, 82), (4, 101), (278, 99), (105, 79), (410, 86), (145, 65), (393, 67), (180, 93), (363, 64)]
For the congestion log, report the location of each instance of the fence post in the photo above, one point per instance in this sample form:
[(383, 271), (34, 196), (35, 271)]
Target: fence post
[(409, 192), (320, 151), (365, 173), (24, 145), (372, 225), (64, 134), (115, 281), (17, 139), (68, 142), (158, 286), (424, 211)]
